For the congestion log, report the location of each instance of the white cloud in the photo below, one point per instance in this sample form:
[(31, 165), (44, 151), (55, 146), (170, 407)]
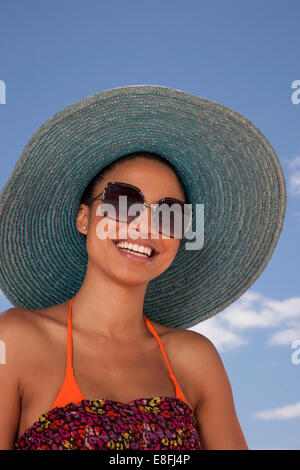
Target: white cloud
[(259, 311), (295, 183), (285, 412), (294, 179), (253, 310), (286, 336), (295, 163), (222, 337)]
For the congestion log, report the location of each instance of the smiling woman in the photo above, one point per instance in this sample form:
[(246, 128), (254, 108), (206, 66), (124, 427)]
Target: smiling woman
[(98, 351)]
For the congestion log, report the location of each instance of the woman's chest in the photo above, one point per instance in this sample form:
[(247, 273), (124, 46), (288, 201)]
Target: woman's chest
[(154, 423), (100, 373)]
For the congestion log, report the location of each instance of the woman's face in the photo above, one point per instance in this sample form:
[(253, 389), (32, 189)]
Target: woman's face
[(156, 181)]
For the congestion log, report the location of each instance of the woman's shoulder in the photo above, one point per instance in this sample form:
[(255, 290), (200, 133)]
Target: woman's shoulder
[(14, 321), (191, 350), (193, 357), (19, 339), (26, 332), (16, 318), (181, 337), (29, 337)]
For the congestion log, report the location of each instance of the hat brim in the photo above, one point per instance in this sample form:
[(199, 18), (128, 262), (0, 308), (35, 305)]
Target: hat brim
[(224, 160)]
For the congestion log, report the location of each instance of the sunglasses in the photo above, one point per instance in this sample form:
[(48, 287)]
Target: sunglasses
[(170, 216)]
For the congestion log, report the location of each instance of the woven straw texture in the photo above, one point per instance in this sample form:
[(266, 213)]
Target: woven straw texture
[(224, 161)]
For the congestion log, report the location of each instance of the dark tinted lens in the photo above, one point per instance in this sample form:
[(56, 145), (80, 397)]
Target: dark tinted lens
[(117, 209), (172, 217)]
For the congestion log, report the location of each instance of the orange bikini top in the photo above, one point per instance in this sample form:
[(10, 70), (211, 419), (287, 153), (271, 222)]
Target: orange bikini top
[(70, 391)]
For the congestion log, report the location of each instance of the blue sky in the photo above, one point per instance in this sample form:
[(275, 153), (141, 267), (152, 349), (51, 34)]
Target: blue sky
[(242, 54)]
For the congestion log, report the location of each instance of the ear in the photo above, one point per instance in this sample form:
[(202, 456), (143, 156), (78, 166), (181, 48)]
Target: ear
[(82, 220)]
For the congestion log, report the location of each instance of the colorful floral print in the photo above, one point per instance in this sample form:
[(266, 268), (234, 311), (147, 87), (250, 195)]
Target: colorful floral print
[(146, 423)]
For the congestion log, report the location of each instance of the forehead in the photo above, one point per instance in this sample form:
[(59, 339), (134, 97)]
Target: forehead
[(154, 178)]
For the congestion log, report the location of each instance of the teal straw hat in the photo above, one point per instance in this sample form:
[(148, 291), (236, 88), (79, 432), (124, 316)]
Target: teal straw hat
[(223, 159)]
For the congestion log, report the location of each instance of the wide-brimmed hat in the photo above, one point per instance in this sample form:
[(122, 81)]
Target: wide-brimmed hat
[(224, 161)]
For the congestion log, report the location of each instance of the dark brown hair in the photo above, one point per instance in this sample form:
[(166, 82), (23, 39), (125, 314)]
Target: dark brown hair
[(90, 189)]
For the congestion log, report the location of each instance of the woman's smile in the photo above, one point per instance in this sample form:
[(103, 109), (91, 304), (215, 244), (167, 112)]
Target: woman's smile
[(138, 257)]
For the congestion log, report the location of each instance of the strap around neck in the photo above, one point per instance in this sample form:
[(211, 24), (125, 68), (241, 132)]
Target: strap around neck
[(151, 328), (69, 347)]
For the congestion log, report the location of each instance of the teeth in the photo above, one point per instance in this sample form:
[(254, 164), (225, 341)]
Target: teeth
[(135, 247), (135, 253)]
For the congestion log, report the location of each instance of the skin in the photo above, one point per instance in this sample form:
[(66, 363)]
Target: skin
[(115, 356)]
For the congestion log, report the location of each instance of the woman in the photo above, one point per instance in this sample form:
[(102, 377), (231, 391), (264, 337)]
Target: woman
[(93, 372)]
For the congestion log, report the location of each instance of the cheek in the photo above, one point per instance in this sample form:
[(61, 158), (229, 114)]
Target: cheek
[(102, 232), (106, 229), (171, 246), (168, 251), (96, 239)]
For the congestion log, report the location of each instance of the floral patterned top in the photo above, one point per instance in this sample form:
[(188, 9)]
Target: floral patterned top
[(74, 423), (146, 423)]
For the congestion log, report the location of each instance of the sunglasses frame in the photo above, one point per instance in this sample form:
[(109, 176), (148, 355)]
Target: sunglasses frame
[(144, 202)]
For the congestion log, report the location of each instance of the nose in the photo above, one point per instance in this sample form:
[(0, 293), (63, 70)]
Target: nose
[(144, 225)]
